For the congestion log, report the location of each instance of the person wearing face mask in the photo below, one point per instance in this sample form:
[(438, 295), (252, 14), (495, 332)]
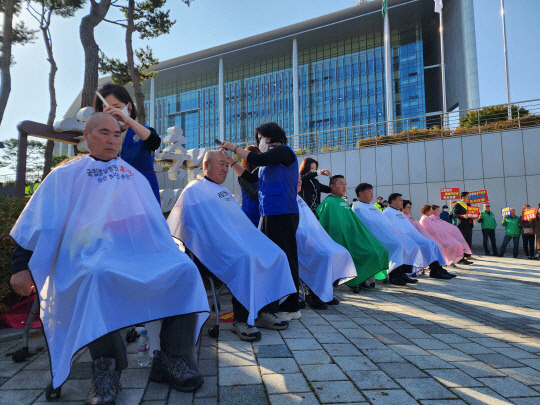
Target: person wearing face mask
[(311, 188), (139, 142), (278, 179)]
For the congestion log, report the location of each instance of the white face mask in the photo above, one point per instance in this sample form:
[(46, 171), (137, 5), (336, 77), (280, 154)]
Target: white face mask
[(263, 146), (127, 113)]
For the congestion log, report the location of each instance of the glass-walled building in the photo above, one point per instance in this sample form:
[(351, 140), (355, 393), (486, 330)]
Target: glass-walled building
[(320, 78)]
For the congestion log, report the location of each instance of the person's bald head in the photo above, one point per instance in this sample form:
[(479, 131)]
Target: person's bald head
[(215, 166), (103, 136)]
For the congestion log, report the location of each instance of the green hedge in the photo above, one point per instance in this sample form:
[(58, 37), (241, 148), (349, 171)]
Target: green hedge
[(10, 209)]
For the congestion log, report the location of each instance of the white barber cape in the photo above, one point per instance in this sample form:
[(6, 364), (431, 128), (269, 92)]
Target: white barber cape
[(103, 257), (401, 248), (321, 261), (429, 248), (213, 226)]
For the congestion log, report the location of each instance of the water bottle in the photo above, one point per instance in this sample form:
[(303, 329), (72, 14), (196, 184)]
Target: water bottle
[(143, 350)]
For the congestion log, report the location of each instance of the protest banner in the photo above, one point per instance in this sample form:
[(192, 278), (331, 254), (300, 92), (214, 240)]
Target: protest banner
[(505, 211), (473, 212), (478, 196), (529, 214), (449, 193)]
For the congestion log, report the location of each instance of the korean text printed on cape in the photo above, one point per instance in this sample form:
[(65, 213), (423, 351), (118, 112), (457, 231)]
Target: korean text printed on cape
[(401, 248), (321, 260), (450, 247), (103, 257), (429, 248), (212, 226), (345, 228)]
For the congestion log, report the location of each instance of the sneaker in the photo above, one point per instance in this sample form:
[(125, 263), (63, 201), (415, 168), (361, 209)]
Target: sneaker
[(175, 371), (470, 258), (334, 301), (105, 382), (267, 320), (245, 331), (453, 265), (289, 316)]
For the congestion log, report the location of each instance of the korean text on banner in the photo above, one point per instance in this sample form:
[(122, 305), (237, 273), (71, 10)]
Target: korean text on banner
[(529, 214), (479, 196), (449, 193), (473, 212), (506, 211)]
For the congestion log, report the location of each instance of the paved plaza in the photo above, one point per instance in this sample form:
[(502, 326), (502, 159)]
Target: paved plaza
[(474, 340)]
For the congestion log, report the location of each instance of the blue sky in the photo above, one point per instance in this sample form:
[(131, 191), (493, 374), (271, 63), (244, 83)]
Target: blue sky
[(207, 23)]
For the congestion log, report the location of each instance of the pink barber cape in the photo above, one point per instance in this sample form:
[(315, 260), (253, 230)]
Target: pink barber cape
[(450, 247)]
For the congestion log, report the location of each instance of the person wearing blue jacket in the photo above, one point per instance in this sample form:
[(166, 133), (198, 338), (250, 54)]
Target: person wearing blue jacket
[(139, 142), (278, 181), (250, 192)]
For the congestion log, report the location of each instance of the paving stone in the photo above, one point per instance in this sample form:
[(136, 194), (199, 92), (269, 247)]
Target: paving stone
[(401, 370), (454, 378), (471, 348), (180, 398), (452, 355), (341, 349), (204, 401), (450, 338), (32, 379), (428, 344), (323, 372), (231, 346), (384, 397), (508, 387), (306, 398), (208, 367), (237, 359), (285, 383), (525, 401), (278, 365), (526, 375), (80, 371), (370, 343), (355, 363), (13, 397), (135, 377), (269, 339), (303, 344), (8, 368), (239, 375), (480, 396), (311, 357), (272, 351), (408, 350), (515, 353), (156, 392), (129, 396), (534, 363), (296, 333), (336, 391), (384, 355), (498, 360), (425, 388), (331, 338), (442, 402), (366, 380)]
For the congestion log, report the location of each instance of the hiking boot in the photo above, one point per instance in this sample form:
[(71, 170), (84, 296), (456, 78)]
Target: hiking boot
[(174, 370), (245, 331), (105, 382), (267, 320)]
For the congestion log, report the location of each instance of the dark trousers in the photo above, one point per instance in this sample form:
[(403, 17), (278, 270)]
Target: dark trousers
[(489, 233), (240, 312), (177, 337), (466, 231), (528, 244), (281, 229), (506, 240)]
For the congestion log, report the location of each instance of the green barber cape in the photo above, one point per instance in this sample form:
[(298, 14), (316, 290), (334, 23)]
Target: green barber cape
[(342, 224)]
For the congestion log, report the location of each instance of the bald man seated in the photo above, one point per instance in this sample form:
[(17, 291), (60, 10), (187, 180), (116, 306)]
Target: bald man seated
[(94, 245), (210, 223)]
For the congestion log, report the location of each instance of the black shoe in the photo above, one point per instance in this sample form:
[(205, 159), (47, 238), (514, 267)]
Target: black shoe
[(396, 280), (438, 273), (444, 271), (464, 261), (334, 301), (356, 289), (105, 382), (301, 304), (487, 254), (175, 371), (315, 302), (366, 285), (407, 279)]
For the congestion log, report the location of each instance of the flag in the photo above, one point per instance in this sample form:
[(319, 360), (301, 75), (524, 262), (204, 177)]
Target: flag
[(383, 8), (438, 6)]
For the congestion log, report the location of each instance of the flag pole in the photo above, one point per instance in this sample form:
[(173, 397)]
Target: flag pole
[(506, 62), (388, 73), (443, 73)]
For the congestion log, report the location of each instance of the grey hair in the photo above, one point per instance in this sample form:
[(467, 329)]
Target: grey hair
[(95, 118)]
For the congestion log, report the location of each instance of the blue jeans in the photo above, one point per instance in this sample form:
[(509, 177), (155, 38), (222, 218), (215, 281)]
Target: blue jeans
[(506, 240)]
